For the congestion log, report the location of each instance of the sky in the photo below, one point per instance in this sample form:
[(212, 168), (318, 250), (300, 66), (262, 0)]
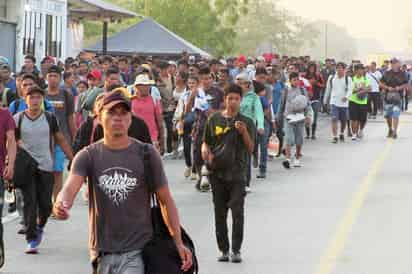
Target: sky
[(385, 20)]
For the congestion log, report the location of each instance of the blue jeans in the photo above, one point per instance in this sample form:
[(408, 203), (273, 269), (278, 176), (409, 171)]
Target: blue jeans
[(263, 141)]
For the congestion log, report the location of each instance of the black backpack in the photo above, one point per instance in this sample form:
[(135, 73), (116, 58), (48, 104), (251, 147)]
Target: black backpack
[(160, 254)]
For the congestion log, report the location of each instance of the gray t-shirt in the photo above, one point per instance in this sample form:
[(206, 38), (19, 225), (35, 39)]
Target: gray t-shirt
[(35, 137), (119, 200), (63, 108)]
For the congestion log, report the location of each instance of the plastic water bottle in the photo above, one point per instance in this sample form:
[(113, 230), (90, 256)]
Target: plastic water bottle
[(9, 195)]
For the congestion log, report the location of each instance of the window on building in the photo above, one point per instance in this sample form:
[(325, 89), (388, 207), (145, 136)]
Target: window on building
[(32, 22), (54, 30)]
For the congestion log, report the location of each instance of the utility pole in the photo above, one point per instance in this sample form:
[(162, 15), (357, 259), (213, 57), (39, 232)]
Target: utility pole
[(326, 40)]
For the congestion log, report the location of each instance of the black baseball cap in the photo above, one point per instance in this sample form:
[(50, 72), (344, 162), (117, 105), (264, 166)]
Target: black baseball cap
[(112, 99), (54, 69), (36, 89)]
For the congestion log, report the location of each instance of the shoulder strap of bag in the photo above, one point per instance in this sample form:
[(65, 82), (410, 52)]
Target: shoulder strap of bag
[(284, 101), (94, 126), (18, 128), (16, 106), (49, 118), (4, 100)]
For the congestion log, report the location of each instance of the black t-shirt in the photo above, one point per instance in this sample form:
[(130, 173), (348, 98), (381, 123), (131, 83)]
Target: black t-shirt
[(216, 126), (394, 79)]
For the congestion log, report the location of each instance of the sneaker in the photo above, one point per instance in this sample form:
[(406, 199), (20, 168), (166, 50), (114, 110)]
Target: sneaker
[(390, 133), (313, 137), (286, 164), (204, 184), (297, 163), (194, 177), (394, 136), (32, 247), (204, 171), (354, 138), (342, 138), (248, 189), (335, 140), (236, 258), (307, 137), (224, 257), (188, 172), (261, 175)]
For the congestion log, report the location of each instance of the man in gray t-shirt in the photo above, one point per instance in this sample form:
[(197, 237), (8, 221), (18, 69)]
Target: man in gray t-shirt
[(36, 131), (119, 208), (63, 104)]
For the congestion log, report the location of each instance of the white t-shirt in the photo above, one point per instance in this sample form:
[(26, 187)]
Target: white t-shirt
[(374, 78), (338, 91)]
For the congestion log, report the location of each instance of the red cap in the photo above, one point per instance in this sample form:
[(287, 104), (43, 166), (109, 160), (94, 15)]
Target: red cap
[(96, 74), (242, 59)]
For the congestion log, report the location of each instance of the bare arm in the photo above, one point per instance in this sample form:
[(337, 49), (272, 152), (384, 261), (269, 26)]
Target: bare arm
[(61, 141), (11, 154), (168, 204), (65, 199), (72, 125)]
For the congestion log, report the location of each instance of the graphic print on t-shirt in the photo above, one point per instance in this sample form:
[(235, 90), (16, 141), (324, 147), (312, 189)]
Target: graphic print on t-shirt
[(117, 183)]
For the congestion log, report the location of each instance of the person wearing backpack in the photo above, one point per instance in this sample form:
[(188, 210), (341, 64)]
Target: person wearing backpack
[(251, 107), (337, 94), (227, 145), (295, 113), (36, 132), (7, 96), (18, 105), (120, 210)]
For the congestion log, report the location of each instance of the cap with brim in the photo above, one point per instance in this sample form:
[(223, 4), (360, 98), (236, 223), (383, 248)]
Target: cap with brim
[(35, 89), (95, 74), (143, 80), (243, 77), (112, 99)]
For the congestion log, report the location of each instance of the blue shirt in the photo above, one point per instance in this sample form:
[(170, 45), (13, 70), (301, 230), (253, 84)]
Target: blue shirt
[(277, 95), (11, 84), (23, 106)]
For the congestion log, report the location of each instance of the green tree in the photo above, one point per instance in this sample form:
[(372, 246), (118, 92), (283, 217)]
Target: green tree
[(266, 23)]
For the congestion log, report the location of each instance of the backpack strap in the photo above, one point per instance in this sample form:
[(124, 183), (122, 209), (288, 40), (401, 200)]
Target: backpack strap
[(4, 100), (18, 126), (49, 118), (16, 106)]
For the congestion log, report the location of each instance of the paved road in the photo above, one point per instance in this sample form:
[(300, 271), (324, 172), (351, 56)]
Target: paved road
[(347, 211)]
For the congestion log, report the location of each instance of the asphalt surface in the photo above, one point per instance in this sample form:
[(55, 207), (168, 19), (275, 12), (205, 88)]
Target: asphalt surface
[(346, 211)]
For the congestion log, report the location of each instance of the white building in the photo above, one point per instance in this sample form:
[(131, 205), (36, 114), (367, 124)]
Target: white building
[(41, 27)]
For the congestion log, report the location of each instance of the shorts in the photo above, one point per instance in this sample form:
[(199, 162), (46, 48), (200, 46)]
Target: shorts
[(125, 263), (339, 113), (294, 133), (391, 111), (59, 159), (358, 112)]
